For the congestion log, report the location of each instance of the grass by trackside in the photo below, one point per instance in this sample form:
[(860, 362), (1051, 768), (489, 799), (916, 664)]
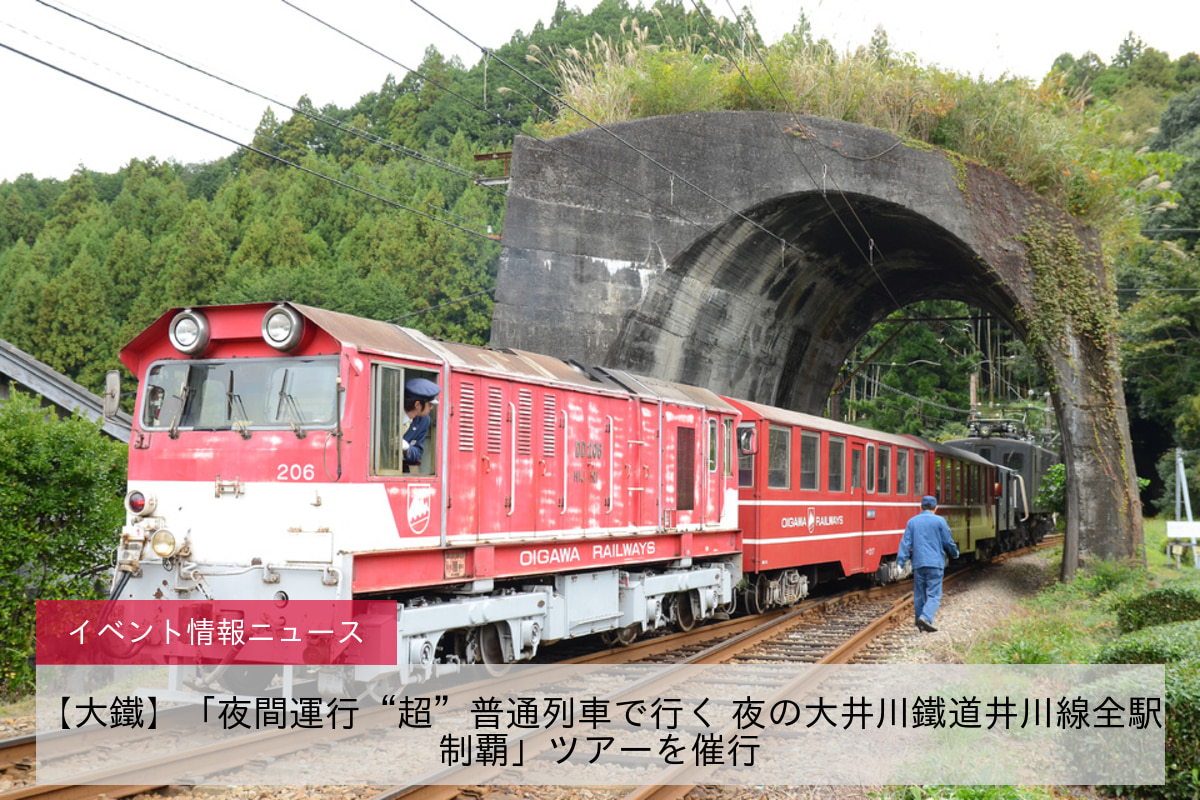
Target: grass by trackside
[(1068, 623), (1063, 623)]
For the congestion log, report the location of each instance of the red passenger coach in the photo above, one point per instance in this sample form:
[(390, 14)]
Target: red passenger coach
[(550, 500), (822, 500)]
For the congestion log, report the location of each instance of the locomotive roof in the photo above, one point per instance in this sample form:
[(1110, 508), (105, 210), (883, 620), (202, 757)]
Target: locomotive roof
[(785, 417), (386, 338), (999, 444)]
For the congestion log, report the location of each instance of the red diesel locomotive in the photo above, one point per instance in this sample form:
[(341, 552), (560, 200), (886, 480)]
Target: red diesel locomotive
[(551, 501)]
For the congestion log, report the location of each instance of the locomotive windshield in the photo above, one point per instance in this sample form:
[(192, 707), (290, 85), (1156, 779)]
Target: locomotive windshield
[(241, 394)]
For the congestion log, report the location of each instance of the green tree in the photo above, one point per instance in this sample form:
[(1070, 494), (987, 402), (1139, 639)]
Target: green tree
[(62, 484), (75, 316)]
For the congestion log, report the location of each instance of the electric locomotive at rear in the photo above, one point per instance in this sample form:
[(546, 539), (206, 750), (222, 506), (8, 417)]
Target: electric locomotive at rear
[(550, 502), (1009, 444)]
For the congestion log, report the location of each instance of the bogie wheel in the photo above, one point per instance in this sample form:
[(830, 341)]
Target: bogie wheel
[(620, 638), (761, 596), (685, 612)]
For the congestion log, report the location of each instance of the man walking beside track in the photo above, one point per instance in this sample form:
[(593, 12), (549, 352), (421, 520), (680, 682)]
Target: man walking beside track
[(926, 538)]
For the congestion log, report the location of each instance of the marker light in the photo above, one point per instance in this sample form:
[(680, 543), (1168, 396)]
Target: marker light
[(189, 332), (139, 504), (282, 328), (163, 543)]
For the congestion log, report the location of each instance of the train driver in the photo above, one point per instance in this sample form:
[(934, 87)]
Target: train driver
[(420, 396)]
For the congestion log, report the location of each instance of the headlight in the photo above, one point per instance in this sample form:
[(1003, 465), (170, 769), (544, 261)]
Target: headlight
[(189, 332), (163, 543), (282, 328), (140, 504)]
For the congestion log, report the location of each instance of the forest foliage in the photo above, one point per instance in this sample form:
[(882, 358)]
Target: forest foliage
[(407, 234)]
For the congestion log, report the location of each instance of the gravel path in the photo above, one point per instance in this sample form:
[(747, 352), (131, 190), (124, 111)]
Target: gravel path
[(971, 608)]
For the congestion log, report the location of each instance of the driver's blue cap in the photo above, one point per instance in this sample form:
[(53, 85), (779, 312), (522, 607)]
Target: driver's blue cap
[(928, 501), (422, 389)]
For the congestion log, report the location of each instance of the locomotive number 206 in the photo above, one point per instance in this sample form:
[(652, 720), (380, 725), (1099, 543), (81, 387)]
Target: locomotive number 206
[(296, 472)]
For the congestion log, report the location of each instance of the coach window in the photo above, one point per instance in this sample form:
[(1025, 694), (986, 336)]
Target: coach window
[(937, 480), (728, 448), (714, 445), (919, 474), (685, 468), (837, 465), (870, 469), (779, 458), (745, 461), (901, 471), (855, 468), (885, 470), (810, 460)]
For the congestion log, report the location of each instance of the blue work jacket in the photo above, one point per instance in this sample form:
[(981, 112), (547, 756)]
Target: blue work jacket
[(926, 537), (415, 436)]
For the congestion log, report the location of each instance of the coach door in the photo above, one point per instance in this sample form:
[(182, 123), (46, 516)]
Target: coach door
[(856, 512)]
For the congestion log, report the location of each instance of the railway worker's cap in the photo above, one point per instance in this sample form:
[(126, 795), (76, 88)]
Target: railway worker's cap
[(929, 502), (422, 389)]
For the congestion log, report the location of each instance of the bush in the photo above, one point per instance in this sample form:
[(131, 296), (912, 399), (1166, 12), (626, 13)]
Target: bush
[(1162, 644), (1052, 493), (62, 484), (1182, 779), (1175, 602)]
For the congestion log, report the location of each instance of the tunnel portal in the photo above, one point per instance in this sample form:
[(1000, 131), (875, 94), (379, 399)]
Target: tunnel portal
[(748, 252)]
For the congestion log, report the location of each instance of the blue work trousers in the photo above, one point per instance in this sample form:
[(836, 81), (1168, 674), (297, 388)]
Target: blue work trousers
[(927, 591)]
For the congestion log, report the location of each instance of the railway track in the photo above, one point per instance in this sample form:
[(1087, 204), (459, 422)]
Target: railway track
[(832, 630)]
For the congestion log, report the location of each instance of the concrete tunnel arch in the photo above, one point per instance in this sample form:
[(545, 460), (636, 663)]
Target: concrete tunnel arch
[(748, 252)]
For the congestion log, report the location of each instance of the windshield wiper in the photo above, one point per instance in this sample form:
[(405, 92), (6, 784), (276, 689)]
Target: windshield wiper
[(184, 394), (234, 403), (293, 409)]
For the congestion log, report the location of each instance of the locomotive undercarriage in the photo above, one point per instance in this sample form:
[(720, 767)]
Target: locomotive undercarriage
[(440, 632)]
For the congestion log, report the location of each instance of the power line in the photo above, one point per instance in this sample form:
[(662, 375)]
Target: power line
[(608, 131), (236, 143), (869, 256), (315, 117)]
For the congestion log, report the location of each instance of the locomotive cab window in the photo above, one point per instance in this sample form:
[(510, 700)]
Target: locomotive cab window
[(397, 420), (245, 395)]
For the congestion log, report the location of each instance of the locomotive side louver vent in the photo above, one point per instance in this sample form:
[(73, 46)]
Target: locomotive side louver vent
[(495, 433), (525, 422), (466, 421), (548, 443)]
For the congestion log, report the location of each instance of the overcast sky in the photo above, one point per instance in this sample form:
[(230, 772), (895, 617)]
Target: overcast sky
[(53, 123)]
